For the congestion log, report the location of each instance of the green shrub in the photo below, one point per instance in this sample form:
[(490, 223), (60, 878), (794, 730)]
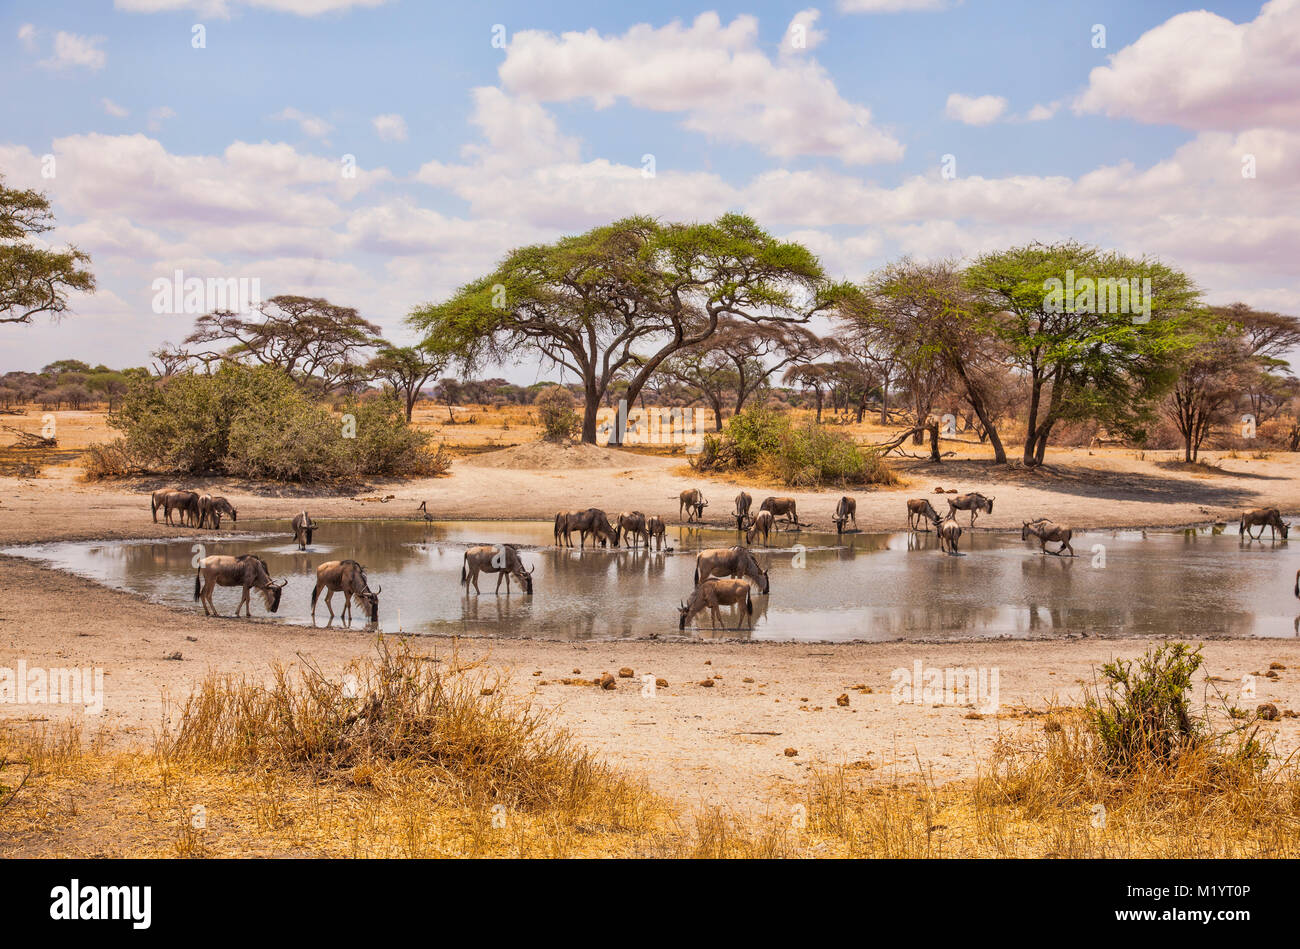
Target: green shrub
[(1144, 713), (555, 406), (256, 423)]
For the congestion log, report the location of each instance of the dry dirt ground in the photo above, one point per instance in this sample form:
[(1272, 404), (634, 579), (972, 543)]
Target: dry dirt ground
[(722, 743)]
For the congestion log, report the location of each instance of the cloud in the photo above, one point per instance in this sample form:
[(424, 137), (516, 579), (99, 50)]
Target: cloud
[(113, 109), (801, 35), (893, 6), (716, 74), (390, 127), (1202, 71), (980, 110), (158, 116), (223, 8), (1041, 113), (308, 124), (72, 50), (27, 36)]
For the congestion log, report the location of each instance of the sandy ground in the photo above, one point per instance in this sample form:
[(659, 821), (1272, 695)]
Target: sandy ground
[(722, 743)]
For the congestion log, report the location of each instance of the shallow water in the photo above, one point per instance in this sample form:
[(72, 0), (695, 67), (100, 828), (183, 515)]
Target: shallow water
[(863, 586)]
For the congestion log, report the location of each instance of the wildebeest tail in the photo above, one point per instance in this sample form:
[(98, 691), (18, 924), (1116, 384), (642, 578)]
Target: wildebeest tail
[(464, 568), (697, 573), (310, 531), (315, 593), (198, 573), (749, 602), (153, 508)]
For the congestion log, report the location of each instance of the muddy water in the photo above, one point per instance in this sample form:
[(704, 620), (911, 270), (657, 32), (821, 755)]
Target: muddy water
[(1194, 583)]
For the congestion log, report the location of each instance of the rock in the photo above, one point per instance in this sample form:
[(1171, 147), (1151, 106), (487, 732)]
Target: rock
[(488, 690), (1267, 711), (843, 699), (607, 681), (625, 673), (538, 672), (661, 683), (191, 639), (747, 679), (706, 683), (175, 656), (792, 752)]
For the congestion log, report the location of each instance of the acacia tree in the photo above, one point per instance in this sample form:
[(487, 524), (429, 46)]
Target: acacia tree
[(317, 343), (625, 296), (1087, 354), (1266, 338), (35, 279), (1213, 373), (405, 370)]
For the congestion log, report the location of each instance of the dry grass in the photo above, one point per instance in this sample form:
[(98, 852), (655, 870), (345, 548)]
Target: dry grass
[(429, 758)]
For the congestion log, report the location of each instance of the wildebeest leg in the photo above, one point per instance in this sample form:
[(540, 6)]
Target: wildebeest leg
[(715, 616), (329, 602), (206, 597), (243, 604)]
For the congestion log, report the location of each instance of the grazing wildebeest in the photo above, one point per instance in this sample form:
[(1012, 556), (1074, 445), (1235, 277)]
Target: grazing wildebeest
[(846, 509), (247, 570), (1046, 530), (973, 502), (211, 509), (760, 523), (779, 506), (349, 578), (655, 528), (692, 502), (186, 502), (919, 511), (949, 534), (1262, 517), (303, 528), (743, 501), (503, 560), (712, 593), (633, 524), (591, 521), (730, 561)]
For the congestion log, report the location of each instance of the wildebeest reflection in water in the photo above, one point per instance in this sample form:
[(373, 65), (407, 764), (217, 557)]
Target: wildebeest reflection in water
[(871, 586)]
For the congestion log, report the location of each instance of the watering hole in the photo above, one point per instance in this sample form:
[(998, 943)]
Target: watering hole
[(1195, 582)]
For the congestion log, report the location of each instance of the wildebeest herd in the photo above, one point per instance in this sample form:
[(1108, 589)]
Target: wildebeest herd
[(724, 576)]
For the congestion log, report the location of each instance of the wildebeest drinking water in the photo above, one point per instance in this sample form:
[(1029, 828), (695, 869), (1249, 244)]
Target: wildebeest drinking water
[(920, 512), (655, 528), (349, 578), (761, 523), (631, 523), (1262, 517), (503, 560), (692, 502), (730, 561), (973, 502), (1046, 530), (591, 521), (303, 528), (949, 534), (712, 593), (211, 509), (845, 510), (743, 502), (247, 570)]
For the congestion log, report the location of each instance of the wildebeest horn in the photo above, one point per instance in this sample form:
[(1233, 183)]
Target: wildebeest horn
[(282, 584), (380, 590)]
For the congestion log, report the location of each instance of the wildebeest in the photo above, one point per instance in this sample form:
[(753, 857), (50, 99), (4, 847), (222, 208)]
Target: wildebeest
[(633, 524), (211, 509), (502, 560), (710, 595), (349, 578), (247, 570), (779, 506), (730, 561), (156, 500), (973, 502), (591, 521), (743, 502), (186, 502), (1262, 517), (761, 523), (949, 534), (1046, 530), (655, 528), (846, 509), (919, 511), (692, 502), (303, 528)]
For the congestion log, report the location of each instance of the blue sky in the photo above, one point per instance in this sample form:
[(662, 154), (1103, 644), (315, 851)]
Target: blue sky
[(219, 160)]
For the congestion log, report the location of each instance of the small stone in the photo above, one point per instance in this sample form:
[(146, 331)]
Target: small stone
[(747, 679), (487, 690), (191, 639), (625, 673), (176, 656), (842, 700), (538, 672), (791, 752), (661, 683), (607, 681), (1267, 711), (706, 683)]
